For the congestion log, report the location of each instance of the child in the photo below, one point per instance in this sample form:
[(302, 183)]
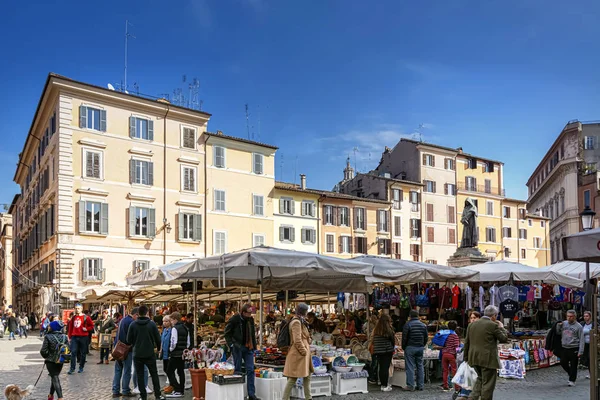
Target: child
[(449, 356)]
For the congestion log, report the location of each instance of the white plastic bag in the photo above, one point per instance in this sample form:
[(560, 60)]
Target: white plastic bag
[(465, 377)]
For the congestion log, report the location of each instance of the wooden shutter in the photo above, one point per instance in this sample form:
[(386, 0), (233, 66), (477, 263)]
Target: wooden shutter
[(89, 161), (445, 188), (429, 212), (197, 227), (151, 222), (378, 220), (293, 206), (100, 270), (432, 160), (104, 218), (96, 165), (340, 245), (180, 226), (103, 120), (132, 127), (84, 270), (354, 210), (82, 116), (43, 230), (281, 201), (82, 216), (150, 173), (303, 235), (292, 234), (150, 130), (349, 245), (281, 235), (434, 187), (132, 215), (424, 159), (451, 235), (430, 234), (302, 210), (132, 171)]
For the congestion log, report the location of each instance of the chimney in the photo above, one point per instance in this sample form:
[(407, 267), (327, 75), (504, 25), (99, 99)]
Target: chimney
[(302, 181), (220, 133)]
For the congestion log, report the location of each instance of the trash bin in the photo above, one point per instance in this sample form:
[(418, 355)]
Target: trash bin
[(198, 383)]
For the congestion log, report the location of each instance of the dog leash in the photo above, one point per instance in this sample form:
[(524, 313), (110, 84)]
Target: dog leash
[(38, 379)]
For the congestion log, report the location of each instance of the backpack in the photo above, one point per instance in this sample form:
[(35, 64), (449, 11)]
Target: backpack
[(440, 337), (284, 339), (63, 353)]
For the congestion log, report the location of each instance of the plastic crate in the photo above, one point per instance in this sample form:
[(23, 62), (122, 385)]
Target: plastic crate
[(319, 386), (224, 392), (270, 389), (347, 386)]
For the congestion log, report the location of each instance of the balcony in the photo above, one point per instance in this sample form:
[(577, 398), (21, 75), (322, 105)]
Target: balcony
[(481, 189)]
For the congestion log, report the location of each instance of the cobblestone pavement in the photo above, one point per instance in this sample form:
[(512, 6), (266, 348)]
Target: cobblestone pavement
[(20, 363)]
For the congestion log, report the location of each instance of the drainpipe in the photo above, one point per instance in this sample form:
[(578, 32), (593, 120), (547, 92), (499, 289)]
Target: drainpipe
[(165, 185), (205, 197), (319, 225)]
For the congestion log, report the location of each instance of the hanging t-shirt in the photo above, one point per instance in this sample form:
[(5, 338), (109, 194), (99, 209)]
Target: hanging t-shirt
[(493, 296), (556, 289), (455, 296), (445, 297), (523, 292), (432, 293), (508, 308), (508, 292), (469, 298), (531, 293), (578, 297), (481, 293), (547, 293), (568, 295), (537, 292), (347, 301)]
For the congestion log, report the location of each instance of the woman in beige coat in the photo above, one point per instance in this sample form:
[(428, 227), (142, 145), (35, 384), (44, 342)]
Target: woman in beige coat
[(298, 363)]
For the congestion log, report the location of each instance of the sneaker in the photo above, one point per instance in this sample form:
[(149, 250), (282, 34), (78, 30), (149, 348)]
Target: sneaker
[(408, 388), (148, 390), (161, 398), (168, 389), (175, 395), (445, 389), (455, 395), (135, 391), (71, 371), (387, 388), (80, 371), (571, 383)]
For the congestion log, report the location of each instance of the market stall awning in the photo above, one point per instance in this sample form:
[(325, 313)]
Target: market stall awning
[(582, 246), (575, 269), (504, 271), (404, 271), (156, 276), (124, 295)]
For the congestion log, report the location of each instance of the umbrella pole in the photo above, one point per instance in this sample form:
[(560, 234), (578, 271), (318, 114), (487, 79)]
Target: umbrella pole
[(329, 305), (261, 308), (286, 303), (195, 314), (368, 314)]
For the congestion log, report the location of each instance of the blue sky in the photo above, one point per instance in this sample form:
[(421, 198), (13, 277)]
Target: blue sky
[(499, 78)]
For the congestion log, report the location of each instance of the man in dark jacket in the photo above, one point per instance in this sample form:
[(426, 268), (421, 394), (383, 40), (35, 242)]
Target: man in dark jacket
[(13, 325), (180, 340), (144, 337), (414, 339), (241, 337), (123, 368)]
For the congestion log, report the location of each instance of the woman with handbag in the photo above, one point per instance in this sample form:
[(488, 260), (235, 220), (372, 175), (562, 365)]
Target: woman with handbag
[(298, 362), (383, 349), (54, 349), (105, 326)]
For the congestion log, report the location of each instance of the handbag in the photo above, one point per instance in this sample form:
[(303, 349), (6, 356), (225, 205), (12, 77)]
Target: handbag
[(121, 350)]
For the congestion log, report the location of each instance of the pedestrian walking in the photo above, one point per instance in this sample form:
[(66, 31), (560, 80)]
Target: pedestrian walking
[(481, 351), (23, 322), (240, 335), (449, 357), (144, 337), (44, 323), (32, 320), (573, 344), (54, 340), (298, 362), (77, 330), (165, 343), (587, 329), (104, 325), (122, 376), (179, 341), (414, 339), (13, 326), (383, 349)]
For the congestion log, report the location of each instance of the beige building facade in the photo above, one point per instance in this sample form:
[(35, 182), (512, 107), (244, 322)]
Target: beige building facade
[(6, 248)]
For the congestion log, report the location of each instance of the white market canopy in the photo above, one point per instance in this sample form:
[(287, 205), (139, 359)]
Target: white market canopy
[(156, 276), (403, 271), (575, 269), (504, 271), (582, 246)]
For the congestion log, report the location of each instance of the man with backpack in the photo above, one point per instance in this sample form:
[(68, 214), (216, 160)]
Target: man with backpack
[(78, 330), (240, 335)]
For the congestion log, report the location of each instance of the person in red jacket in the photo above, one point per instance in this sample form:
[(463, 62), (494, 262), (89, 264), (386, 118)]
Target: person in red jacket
[(78, 330)]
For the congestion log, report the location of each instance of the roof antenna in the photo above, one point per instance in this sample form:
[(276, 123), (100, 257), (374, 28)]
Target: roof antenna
[(127, 36), (420, 130), (247, 121), (355, 150), (281, 163)]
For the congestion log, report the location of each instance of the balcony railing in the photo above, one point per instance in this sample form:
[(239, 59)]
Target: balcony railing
[(481, 189)]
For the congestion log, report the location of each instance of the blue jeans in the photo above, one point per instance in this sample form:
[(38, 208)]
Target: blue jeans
[(122, 375), (78, 351), (11, 335), (22, 331), (243, 353), (413, 357)]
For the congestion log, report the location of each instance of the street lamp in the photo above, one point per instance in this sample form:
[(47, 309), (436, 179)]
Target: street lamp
[(587, 218)]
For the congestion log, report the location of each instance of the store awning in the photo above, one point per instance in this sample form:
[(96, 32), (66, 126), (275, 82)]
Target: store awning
[(575, 269), (582, 246), (504, 271)]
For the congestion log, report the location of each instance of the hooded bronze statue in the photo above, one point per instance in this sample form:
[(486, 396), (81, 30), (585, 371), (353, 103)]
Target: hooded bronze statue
[(470, 236)]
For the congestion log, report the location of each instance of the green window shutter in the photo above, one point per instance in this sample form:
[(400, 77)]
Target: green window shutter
[(82, 116), (151, 222), (104, 218), (100, 270), (280, 206), (180, 226), (198, 228), (82, 216), (84, 270), (150, 130), (103, 120), (150, 173), (132, 213), (132, 127)]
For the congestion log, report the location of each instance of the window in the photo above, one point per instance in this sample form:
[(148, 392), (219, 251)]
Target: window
[(92, 270), (429, 160), (397, 198), (451, 235), (93, 164), (141, 172), (359, 183), (190, 226), (451, 215), (258, 239), (382, 221), (490, 235), (142, 222), (415, 228), (361, 245), (93, 217), (329, 241), (586, 198), (488, 166), (140, 265), (141, 128), (188, 175), (257, 163), (506, 212), (309, 235), (258, 205), (471, 163), (522, 233), (490, 208), (344, 216), (542, 224), (329, 215), (449, 164), (219, 157), (308, 208), (287, 234), (384, 247), (523, 253), (430, 234), (91, 118), (345, 244), (589, 142), (507, 232), (450, 189), (522, 213), (470, 183), (286, 206), (220, 242), (397, 248), (537, 242), (429, 215), (219, 200), (530, 223), (397, 226), (488, 186), (429, 186), (430, 261), (415, 251), (414, 201), (360, 218), (188, 138)]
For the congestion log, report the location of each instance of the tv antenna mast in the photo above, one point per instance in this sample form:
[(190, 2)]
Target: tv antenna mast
[(193, 101), (247, 121), (127, 36), (355, 150), (281, 162)]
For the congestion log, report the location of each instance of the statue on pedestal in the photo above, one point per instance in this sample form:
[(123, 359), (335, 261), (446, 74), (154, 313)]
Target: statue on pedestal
[(470, 236)]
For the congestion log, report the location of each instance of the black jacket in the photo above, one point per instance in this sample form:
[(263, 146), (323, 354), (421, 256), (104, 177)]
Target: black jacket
[(13, 325), (234, 331), (383, 344), (50, 348), (143, 335), (554, 341), (414, 334), (182, 339)]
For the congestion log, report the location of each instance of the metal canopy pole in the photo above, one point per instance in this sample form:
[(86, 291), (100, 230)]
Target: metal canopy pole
[(261, 308), (194, 313)]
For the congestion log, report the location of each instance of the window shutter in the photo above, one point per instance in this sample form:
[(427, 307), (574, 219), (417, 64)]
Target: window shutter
[(150, 173), (303, 211), (280, 206), (334, 215), (180, 226), (433, 161), (52, 219), (150, 130), (132, 171), (151, 222), (43, 229), (82, 116), (100, 270), (82, 216), (355, 211), (198, 228), (341, 244), (424, 159), (445, 188), (303, 235), (132, 213), (434, 190), (292, 233), (84, 270), (378, 220), (96, 165), (132, 127), (293, 206), (104, 218), (349, 245), (89, 164), (281, 233), (103, 120)]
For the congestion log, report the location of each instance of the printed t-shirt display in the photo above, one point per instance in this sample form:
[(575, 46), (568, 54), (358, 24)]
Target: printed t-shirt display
[(455, 296), (524, 292), (546, 293), (481, 294), (469, 298), (508, 292), (508, 308)]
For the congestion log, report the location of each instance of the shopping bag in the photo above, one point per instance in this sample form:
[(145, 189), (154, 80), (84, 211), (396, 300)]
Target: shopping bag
[(465, 377), (391, 370)]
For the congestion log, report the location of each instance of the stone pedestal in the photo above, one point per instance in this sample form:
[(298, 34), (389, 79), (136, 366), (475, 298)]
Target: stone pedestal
[(465, 256)]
